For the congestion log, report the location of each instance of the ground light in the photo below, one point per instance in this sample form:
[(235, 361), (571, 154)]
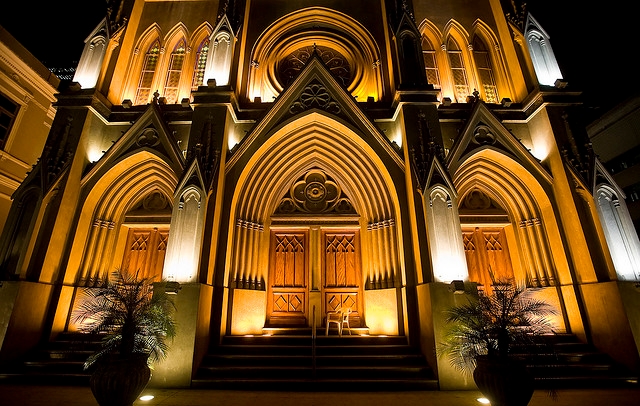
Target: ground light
[(146, 398), (483, 400)]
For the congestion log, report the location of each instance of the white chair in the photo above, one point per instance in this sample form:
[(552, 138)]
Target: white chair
[(339, 317)]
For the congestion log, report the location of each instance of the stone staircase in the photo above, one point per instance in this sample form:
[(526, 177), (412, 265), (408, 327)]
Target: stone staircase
[(59, 362), (291, 362), (562, 361)]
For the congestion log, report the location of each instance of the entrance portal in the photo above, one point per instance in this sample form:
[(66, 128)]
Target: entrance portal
[(292, 268), (487, 255)]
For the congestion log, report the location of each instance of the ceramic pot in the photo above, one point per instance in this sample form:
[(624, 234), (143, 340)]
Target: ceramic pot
[(504, 381), (118, 381)]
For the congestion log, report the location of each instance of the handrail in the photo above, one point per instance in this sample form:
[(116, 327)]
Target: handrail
[(313, 342)]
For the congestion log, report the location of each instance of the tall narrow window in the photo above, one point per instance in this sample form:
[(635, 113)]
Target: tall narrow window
[(485, 72), (460, 80), (148, 71), (174, 72), (542, 56), (201, 63), (8, 113), (430, 65), (220, 54)]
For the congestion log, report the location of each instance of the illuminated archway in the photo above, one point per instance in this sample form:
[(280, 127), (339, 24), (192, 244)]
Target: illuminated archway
[(316, 142), (104, 209), (324, 29), (539, 259)]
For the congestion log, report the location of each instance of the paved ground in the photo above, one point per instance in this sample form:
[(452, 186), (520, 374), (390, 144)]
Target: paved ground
[(20, 395)]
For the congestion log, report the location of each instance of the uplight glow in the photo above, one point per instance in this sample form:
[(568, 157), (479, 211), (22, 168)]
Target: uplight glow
[(146, 398), (483, 400)]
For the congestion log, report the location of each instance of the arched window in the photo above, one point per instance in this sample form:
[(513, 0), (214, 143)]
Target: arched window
[(542, 56), (458, 71), (485, 72), (620, 233), (201, 63), (430, 64), (220, 55), (149, 66), (176, 60), (90, 63)]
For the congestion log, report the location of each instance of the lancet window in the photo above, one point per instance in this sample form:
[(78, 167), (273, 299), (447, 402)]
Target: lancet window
[(149, 66)]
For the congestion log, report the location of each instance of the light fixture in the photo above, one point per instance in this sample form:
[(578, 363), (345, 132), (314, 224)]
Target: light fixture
[(172, 287), (185, 102), (146, 398), (257, 99), (506, 102), (446, 101), (211, 83), (457, 287), (483, 400), (560, 84), (126, 103)]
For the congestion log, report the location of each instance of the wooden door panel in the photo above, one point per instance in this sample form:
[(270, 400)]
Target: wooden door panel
[(288, 286), (145, 253), (341, 274), (487, 253)]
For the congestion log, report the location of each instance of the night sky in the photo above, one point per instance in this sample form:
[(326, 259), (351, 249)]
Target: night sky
[(592, 45)]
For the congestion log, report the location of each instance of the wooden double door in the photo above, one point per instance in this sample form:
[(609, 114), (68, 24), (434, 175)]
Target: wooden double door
[(487, 254), (305, 262)]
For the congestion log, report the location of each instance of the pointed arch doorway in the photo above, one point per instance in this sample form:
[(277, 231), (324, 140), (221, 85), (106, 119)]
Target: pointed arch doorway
[(315, 256), (484, 233)]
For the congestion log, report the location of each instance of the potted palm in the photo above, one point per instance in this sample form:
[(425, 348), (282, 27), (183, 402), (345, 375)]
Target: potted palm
[(482, 333), (136, 322)]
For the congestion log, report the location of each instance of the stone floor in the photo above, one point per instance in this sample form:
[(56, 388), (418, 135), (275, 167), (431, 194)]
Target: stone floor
[(22, 395)]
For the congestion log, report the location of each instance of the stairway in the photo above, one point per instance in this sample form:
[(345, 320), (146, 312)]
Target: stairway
[(59, 362), (351, 362), (562, 361), (287, 362)]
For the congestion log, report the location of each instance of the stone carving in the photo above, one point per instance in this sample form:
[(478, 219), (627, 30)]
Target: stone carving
[(337, 64), (148, 138), (315, 193), (315, 95)]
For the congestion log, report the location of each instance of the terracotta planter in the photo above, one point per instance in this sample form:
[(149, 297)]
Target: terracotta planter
[(504, 381), (119, 381)]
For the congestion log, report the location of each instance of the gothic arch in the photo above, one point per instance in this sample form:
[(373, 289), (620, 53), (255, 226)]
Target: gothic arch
[(104, 208), (306, 28), (176, 36), (314, 141), (619, 231), (455, 32), (443, 228), (432, 34), (530, 212), (541, 53), (200, 35), (90, 64), (147, 38), (221, 49), (484, 32)]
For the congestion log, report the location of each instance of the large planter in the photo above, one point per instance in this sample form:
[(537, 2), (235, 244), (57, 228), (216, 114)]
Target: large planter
[(504, 381), (118, 381)]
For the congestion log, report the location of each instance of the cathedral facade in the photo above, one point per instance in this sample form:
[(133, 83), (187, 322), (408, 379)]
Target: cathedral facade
[(280, 160)]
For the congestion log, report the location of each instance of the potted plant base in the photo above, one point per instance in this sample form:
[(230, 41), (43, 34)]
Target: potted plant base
[(118, 381), (136, 322), (503, 380)]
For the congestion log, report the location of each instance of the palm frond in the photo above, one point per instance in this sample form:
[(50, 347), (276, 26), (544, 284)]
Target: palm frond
[(132, 315), (492, 323)]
